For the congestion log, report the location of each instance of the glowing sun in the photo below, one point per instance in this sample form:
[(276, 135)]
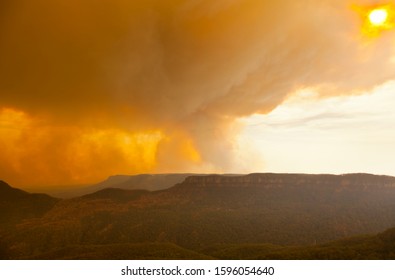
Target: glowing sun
[(378, 17)]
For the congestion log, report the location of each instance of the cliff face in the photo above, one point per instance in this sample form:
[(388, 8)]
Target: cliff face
[(202, 211), (270, 180), (149, 182)]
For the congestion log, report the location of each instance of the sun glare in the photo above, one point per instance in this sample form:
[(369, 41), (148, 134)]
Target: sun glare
[(378, 17)]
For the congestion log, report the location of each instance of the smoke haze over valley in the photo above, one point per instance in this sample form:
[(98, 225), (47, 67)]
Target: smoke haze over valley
[(118, 87), (197, 129)]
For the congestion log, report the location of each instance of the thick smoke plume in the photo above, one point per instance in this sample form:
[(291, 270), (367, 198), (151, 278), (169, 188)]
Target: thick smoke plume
[(174, 74)]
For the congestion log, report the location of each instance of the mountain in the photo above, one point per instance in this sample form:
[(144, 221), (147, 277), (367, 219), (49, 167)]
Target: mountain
[(7, 192), (16, 205), (119, 195), (204, 212), (150, 182)]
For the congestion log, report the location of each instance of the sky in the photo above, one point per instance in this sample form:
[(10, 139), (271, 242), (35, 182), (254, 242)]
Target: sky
[(97, 88)]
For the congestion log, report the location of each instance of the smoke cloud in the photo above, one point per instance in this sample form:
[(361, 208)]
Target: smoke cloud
[(170, 77)]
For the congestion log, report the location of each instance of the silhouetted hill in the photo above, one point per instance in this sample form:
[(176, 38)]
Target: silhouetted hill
[(150, 182), (116, 194), (205, 211), (16, 204), (7, 192)]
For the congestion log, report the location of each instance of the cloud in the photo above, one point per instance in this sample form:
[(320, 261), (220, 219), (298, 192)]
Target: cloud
[(341, 134), (189, 68)]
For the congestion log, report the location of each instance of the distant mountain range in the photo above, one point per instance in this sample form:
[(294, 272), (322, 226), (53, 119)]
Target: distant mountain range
[(251, 216), (150, 182)]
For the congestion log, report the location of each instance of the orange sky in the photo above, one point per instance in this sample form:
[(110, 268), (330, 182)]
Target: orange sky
[(95, 88)]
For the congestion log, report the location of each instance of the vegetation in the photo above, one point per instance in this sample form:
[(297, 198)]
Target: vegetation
[(125, 251), (374, 247), (260, 216)]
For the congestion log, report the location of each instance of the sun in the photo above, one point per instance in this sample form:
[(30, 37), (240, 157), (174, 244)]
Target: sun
[(378, 17)]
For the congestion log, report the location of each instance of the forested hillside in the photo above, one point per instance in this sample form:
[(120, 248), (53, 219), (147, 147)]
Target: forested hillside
[(251, 216)]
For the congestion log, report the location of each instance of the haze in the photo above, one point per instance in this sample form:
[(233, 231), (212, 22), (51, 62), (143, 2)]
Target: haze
[(96, 88)]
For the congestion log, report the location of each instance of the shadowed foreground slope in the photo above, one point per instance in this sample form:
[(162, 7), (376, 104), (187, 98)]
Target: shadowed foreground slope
[(16, 205), (372, 247), (211, 215)]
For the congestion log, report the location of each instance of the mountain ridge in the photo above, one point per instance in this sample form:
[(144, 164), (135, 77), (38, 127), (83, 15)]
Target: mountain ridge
[(17, 205), (6, 191), (154, 182), (201, 211), (254, 178)]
